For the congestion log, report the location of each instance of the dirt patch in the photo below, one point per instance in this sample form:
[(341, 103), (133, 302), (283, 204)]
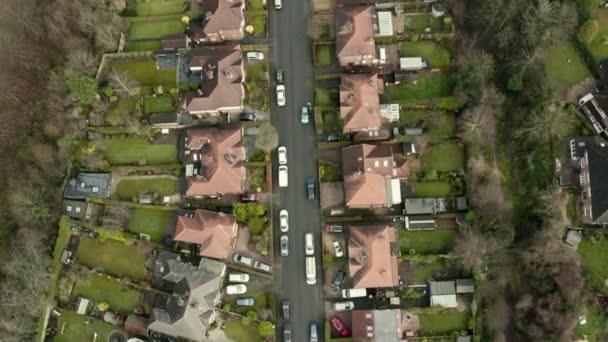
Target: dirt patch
[(323, 27), (323, 5)]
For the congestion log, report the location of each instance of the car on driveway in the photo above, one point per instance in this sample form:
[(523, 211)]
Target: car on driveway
[(247, 116), (236, 289), (338, 324), (332, 137), (281, 95), (284, 220), (310, 188), (249, 301), (286, 310), (334, 228), (279, 76), (241, 259), (255, 56), (284, 245), (338, 249), (282, 153), (258, 265), (343, 306), (305, 114), (338, 280), (250, 197), (287, 332), (238, 277)]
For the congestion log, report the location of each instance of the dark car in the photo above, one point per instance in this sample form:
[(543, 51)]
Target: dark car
[(334, 228), (286, 309), (310, 188), (339, 325), (287, 332), (279, 75), (249, 197), (338, 280), (247, 117)]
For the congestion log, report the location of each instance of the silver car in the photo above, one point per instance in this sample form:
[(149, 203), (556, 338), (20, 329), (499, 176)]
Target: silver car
[(284, 245), (245, 301)]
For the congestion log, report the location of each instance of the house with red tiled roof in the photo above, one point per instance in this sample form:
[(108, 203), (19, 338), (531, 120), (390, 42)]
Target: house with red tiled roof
[(372, 176), (355, 36), (213, 157), (360, 102), (223, 20), (214, 232), (219, 69), (372, 252)]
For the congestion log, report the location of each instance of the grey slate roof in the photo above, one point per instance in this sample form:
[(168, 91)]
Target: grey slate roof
[(598, 166), (438, 288), (465, 286), (75, 209), (88, 185), (416, 206)]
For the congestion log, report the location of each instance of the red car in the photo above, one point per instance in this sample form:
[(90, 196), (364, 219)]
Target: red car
[(250, 197), (339, 326)]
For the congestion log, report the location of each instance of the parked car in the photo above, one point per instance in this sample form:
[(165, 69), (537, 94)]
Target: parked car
[(247, 116), (310, 188), (281, 95), (284, 245), (287, 332), (338, 249), (262, 266), (250, 197), (338, 279), (334, 228), (286, 309), (343, 306), (314, 332), (283, 176), (305, 114), (284, 220), (282, 152), (249, 301), (338, 324), (279, 75), (309, 244), (240, 259), (238, 277), (332, 137), (255, 56), (236, 289)]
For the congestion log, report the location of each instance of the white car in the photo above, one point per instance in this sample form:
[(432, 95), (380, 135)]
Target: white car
[(282, 152), (284, 245), (284, 220), (338, 249), (281, 95), (343, 306), (255, 56), (236, 289), (238, 277)]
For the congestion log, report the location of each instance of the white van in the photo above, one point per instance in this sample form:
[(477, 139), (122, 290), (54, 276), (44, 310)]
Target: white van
[(311, 271), (278, 4), (283, 176), (309, 244), (354, 293)]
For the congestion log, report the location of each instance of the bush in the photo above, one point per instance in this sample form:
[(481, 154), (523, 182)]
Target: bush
[(588, 31), (515, 83), (448, 103), (252, 315), (81, 86), (415, 38), (246, 321), (227, 307), (265, 329), (257, 224), (116, 235), (245, 211)]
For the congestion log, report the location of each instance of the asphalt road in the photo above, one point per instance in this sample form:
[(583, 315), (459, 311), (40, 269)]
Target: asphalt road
[(291, 51)]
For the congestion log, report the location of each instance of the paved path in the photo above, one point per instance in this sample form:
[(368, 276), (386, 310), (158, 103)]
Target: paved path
[(292, 49)]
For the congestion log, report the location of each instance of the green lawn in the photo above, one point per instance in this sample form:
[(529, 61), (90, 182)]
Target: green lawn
[(146, 74), (422, 86), (418, 23), (331, 121), (564, 66), (322, 97), (61, 243), (431, 189), (72, 327), (149, 221), (256, 72), (571, 208), (412, 117), (435, 55), (255, 4), (323, 54), (154, 29), (258, 21), (166, 7), (159, 104), (130, 188), (121, 110), (595, 258), (427, 241), (136, 150), (596, 328), (238, 332), (443, 157), (104, 290), (143, 46), (329, 172), (437, 125), (113, 257), (597, 48), (424, 272), (441, 323)]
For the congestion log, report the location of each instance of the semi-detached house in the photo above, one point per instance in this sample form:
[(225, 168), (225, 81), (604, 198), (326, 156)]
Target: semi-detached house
[(223, 20), (355, 44)]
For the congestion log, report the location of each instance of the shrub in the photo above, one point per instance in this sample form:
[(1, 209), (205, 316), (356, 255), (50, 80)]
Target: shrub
[(515, 83), (108, 91), (252, 315), (257, 224), (415, 38), (227, 307), (245, 211), (81, 86), (246, 321), (265, 329), (448, 103), (588, 31), (116, 235)]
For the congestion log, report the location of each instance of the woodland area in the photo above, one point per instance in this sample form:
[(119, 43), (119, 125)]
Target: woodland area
[(49, 48)]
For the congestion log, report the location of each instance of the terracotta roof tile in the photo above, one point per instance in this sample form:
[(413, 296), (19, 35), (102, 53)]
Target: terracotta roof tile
[(360, 101), (355, 35), (223, 18), (214, 231), (371, 263)]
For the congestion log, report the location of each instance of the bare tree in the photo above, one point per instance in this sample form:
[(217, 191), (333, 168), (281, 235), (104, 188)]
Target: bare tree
[(472, 247), (83, 60), (122, 82), (549, 124)]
